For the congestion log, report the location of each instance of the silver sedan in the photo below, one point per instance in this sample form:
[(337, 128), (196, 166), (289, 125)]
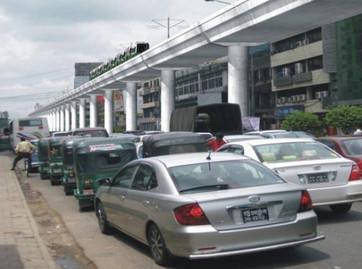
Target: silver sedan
[(199, 206)]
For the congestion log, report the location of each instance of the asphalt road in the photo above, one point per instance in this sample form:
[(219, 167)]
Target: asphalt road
[(342, 247)]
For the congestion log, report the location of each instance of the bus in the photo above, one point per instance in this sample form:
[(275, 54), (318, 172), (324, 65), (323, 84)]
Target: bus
[(28, 128), (222, 118)]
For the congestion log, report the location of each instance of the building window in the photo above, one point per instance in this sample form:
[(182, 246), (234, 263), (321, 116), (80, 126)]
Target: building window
[(315, 63)]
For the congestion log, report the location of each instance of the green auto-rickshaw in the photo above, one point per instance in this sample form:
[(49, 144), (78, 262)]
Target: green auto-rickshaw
[(96, 159), (55, 159), (68, 179), (43, 156)]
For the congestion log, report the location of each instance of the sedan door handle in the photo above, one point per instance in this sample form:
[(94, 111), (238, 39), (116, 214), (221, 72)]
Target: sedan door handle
[(122, 197)]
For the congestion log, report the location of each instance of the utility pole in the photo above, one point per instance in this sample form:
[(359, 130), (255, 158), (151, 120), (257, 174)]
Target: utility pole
[(168, 24)]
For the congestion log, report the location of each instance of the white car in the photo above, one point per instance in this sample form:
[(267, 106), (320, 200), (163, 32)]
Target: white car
[(330, 178)]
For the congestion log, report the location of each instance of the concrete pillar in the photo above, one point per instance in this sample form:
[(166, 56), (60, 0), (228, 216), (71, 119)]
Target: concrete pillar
[(108, 115), (167, 98), (93, 110), (57, 120), (73, 110), (131, 106), (67, 117), (62, 119), (238, 77), (82, 113), (52, 121)]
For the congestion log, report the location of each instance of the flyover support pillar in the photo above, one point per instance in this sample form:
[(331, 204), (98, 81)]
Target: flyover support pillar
[(167, 98), (108, 115), (131, 106), (57, 119), (73, 108), (238, 77), (82, 113), (67, 117), (62, 129), (93, 110)]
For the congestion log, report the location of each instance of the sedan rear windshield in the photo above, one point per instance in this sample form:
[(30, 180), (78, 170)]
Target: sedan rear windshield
[(213, 176), (293, 151), (353, 146)]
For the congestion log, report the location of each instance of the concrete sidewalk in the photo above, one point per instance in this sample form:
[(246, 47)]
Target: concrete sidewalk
[(20, 244)]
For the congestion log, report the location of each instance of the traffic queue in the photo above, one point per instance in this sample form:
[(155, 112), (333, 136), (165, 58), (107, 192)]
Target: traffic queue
[(173, 193)]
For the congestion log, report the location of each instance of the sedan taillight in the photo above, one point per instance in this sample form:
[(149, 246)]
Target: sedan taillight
[(355, 173), (191, 214), (305, 202)]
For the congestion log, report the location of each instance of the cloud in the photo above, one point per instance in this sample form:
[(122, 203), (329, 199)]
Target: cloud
[(41, 40)]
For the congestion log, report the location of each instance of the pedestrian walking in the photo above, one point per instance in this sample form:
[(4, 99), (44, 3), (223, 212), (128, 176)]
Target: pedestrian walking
[(23, 150), (216, 142)]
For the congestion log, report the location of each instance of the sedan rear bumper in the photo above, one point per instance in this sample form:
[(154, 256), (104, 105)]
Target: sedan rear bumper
[(196, 242), (258, 249), (349, 193)]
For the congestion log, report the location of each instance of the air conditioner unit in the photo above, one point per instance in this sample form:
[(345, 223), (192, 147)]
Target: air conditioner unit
[(318, 95), (283, 100), (324, 93), (295, 98), (302, 97), (289, 99), (279, 101)]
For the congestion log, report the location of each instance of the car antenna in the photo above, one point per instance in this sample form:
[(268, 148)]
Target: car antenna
[(209, 155)]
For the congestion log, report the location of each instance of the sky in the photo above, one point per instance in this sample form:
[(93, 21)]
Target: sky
[(42, 39)]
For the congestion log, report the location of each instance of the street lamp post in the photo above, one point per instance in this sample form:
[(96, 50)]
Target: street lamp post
[(170, 23)]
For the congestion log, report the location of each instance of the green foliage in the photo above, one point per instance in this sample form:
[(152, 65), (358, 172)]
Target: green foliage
[(347, 118), (302, 121), (118, 129)]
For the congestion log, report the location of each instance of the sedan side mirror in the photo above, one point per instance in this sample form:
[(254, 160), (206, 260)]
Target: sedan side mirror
[(104, 181)]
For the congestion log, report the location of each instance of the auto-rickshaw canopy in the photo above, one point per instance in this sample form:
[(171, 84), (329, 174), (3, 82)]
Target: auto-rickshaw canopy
[(94, 155)]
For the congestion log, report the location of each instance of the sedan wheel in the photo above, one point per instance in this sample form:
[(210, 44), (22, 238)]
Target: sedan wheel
[(102, 219), (342, 208), (159, 252)]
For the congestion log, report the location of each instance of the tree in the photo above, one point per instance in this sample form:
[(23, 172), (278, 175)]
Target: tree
[(302, 121), (347, 118)]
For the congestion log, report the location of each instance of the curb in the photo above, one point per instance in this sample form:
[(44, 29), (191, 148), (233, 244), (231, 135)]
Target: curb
[(47, 257)]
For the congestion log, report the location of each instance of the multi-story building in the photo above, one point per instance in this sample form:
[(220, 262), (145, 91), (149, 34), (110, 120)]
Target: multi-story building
[(349, 62), (299, 79), (262, 99), (204, 85), (150, 117)]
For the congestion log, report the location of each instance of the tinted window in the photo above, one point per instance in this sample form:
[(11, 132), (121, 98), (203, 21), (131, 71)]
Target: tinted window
[(124, 178), (227, 174), (92, 133), (145, 179), (328, 143), (353, 146), (293, 151), (30, 123)]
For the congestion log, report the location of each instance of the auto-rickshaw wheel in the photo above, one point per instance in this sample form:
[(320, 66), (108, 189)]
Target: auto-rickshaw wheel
[(102, 219), (43, 176)]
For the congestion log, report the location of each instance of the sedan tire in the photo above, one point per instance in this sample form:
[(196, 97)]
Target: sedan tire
[(102, 219), (159, 251), (341, 208)]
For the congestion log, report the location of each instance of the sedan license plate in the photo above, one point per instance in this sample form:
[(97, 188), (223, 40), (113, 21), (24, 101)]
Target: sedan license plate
[(318, 178), (255, 214)]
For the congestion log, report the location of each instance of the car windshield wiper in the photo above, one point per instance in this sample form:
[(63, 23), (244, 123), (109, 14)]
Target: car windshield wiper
[(213, 186)]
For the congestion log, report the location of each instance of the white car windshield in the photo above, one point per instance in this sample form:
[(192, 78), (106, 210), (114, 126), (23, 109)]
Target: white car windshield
[(213, 176), (293, 151)]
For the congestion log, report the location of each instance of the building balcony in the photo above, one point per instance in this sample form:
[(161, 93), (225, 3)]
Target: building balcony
[(298, 54), (283, 81), (147, 120), (316, 77), (302, 77), (150, 104)]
